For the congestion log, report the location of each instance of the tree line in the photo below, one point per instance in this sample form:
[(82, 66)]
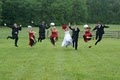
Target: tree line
[(60, 11)]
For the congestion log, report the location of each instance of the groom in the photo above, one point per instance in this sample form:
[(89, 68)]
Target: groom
[(75, 36)]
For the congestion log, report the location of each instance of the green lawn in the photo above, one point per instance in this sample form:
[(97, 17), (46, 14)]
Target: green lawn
[(46, 62)]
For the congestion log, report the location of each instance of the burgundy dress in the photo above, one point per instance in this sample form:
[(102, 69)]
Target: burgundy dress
[(87, 36), (31, 37)]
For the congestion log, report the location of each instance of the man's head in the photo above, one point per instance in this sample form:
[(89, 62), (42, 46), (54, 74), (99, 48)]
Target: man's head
[(15, 25), (99, 23), (43, 22)]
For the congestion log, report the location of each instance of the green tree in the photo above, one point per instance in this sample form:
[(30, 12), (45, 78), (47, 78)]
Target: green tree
[(20, 11), (97, 10), (79, 11), (114, 11), (61, 11), (106, 11), (0, 12)]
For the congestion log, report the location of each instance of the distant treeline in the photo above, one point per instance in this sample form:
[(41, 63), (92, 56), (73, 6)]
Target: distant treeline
[(60, 11)]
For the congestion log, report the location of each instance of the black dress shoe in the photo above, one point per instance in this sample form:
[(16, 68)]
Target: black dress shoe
[(16, 45), (90, 46)]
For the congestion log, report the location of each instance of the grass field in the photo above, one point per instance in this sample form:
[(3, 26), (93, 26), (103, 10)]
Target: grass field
[(46, 62)]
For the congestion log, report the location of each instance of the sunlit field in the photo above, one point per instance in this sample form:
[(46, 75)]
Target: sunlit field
[(47, 62)]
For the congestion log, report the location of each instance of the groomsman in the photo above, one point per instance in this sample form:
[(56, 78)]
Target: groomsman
[(15, 31), (42, 26), (99, 32)]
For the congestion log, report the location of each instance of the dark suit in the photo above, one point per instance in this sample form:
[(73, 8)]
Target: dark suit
[(75, 36), (99, 32), (15, 32), (42, 28)]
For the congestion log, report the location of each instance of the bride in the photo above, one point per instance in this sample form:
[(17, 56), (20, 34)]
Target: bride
[(67, 38)]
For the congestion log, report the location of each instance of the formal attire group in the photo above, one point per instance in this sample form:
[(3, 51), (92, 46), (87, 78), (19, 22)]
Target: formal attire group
[(68, 38)]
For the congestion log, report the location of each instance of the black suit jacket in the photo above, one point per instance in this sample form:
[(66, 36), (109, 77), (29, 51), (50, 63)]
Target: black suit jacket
[(75, 33), (15, 30), (100, 29)]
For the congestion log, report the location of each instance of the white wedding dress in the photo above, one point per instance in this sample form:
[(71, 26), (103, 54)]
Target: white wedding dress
[(67, 39)]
